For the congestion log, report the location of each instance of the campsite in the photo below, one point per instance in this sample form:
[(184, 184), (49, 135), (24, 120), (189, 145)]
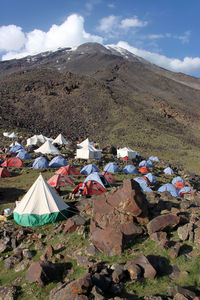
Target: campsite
[(95, 233)]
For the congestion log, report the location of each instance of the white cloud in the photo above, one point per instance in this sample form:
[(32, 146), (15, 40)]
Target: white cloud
[(111, 5), (183, 38), (188, 65), (108, 24), (156, 36), (68, 34), (11, 38), (132, 22)]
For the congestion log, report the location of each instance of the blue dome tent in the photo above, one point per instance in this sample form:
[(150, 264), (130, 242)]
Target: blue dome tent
[(111, 168), (57, 161), (40, 162), (89, 169)]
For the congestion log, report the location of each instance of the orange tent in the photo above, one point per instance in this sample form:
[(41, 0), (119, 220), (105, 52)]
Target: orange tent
[(4, 173), (179, 185), (60, 180), (68, 170), (89, 188), (143, 170), (12, 162), (109, 177)]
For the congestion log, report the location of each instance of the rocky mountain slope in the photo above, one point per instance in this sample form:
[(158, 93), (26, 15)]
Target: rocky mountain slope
[(106, 93)]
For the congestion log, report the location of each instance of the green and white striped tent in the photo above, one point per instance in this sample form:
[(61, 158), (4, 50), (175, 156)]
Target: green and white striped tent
[(40, 205)]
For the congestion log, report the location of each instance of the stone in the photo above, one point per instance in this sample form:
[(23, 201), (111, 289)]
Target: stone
[(158, 236), (177, 289), (43, 272), (108, 240), (4, 246), (48, 253), (135, 271), (22, 265), (91, 250), (179, 296), (143, 262), (175, 251), (14, 259), (151, 297), (28, 253), (163, 223), (175, 272), (118, 273), (97, 293), (101, 281), (75, 290), (8, 293)]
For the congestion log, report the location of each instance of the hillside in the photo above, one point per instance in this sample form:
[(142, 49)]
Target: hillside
[(108, 94)]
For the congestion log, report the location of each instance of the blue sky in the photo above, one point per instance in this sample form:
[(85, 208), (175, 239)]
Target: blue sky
[(165, 32)]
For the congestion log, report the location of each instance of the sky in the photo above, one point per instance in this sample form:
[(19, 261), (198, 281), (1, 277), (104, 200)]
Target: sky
[(164, 32)]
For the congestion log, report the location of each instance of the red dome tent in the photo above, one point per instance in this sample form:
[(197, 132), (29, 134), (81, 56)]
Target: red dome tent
[(12, 162), (68, 170), (60, 180), (4, 173), (109, 177)]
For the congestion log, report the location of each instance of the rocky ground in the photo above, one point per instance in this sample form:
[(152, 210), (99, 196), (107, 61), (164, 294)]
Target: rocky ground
[(123, 244)]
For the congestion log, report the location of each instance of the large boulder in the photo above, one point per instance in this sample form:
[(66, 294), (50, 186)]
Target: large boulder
[(163, 223), (115, 217)]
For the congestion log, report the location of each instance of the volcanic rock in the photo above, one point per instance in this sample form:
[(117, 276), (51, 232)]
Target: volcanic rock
[(8, 293), (143, 262), (163, 223)]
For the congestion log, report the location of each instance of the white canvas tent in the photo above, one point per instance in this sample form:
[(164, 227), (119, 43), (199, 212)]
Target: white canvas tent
[(60, 140), (126, 152), (48, 148), (86, 143), (6, 134), (40, 205), (15, 144), (88, 152), (13, 135), (37, 140)]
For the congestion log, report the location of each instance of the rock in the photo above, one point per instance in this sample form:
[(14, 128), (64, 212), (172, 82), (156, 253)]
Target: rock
[(43, 272), (143, 262), (8, 293), (175, 272), (116, 288), (175, 251), (150, 297), (108, 240), (177, 289), (91, 250), (163, 223), (114, 212), (135, 271), (118, 273), (27, 253), (179, 296), (22, 265), (4, 246), (158, 236), (84, 261), (13, 259), (72, 223), (75, 290), (48, 253), (97, 293)]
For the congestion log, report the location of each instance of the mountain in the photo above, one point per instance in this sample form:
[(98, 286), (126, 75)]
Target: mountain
[(106, 93)]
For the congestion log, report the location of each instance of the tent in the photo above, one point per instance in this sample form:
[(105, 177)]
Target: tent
[(60, 180), (6, 134), (89, 152), (185, 190), (109, 177), (177, 179), (92, 185), (154, 158), (179, 185), (40, 205), (14, 144), (146, 163), (60, 140), (89, 169), (57, 162), (13, 135), (40, 162), (12, 162), (85, 144), (48, 148), (151, 178), (143, 184), (15, 148), (130, 169), (4, 173), (126, 152), (112, 168), (168, 187), (168, 171), (68, 170), (36, 140), (143, 170), (22, 154)]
